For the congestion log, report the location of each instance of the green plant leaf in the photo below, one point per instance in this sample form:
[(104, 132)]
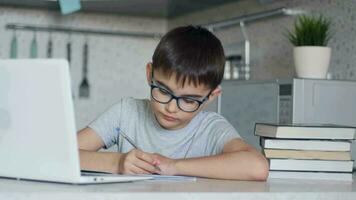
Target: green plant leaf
[(310, 31)]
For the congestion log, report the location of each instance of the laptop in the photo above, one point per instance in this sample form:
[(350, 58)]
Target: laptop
[(37, 127)]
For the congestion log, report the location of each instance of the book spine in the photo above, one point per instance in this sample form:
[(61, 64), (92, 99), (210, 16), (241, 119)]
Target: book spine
[(310, 165), (311, 145), (307, 155)]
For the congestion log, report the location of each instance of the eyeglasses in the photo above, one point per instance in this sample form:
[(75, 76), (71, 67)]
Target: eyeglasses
[(186, 104)]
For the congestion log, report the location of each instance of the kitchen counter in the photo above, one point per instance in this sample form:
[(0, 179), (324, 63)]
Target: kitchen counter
[(200, 189)]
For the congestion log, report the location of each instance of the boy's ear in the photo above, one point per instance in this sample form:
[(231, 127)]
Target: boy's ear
[(215, 93), (149, 72)]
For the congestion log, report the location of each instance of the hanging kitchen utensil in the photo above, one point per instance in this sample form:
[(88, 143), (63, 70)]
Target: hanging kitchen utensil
[(13, 47), (50, 46), (33, 48), (69, 51), (69, 56), (84, 88)]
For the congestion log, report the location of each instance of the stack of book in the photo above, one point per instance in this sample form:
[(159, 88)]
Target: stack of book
[(307, 151)]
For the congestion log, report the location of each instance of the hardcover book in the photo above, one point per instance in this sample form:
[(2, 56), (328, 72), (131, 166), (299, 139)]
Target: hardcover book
[(311, 165), (314, 145), (305, 131), (307, 155), (310, 175)]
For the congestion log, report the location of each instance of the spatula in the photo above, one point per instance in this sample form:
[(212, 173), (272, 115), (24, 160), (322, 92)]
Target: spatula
[(84, 88), (33, 48), (13, 47), (69, 58), (49, 46)]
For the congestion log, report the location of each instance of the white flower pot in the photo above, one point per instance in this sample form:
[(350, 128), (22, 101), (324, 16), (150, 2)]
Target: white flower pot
[(312, 61)]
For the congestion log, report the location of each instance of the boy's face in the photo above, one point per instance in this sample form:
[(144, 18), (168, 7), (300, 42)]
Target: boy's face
[(169, 115)]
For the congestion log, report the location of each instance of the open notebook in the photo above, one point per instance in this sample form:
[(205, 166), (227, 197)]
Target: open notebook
[(151, 176)]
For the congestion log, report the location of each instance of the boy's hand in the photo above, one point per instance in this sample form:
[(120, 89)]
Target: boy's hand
[(166, 165), (137, 162)]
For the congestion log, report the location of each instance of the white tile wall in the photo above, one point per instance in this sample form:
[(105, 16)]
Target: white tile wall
[(271, 52), (116, 64)]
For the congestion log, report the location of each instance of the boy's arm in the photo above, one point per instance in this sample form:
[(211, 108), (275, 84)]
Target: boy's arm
[(239, 161), (132, 162), (89, 143)]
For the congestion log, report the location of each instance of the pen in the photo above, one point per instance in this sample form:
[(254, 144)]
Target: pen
[(129, 140)]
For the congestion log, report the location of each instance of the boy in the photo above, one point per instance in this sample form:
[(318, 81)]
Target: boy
[(173, 134)]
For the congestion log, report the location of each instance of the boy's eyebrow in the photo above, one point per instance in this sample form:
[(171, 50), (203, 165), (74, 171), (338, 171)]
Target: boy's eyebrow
[(165, 86), (184, 95)]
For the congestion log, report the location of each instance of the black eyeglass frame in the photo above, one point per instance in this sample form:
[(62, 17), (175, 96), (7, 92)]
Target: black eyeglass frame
[(200, 102)]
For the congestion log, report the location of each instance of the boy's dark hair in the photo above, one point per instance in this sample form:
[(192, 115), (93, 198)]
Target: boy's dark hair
[(192, 53)]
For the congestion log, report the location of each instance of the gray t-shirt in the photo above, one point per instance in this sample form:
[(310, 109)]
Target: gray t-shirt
[(206, 134)]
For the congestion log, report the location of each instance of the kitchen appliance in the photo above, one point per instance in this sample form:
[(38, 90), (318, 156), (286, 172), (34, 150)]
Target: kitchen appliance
[(243, 103)]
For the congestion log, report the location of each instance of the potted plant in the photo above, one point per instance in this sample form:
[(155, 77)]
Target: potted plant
[(311, 54)]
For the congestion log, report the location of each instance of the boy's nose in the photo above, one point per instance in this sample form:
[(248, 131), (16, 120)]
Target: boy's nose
[(172, 106)]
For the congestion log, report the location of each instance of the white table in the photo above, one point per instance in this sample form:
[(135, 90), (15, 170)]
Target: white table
[(204, 189)]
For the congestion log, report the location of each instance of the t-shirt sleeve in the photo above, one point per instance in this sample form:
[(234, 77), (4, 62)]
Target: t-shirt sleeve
[(105, 124), (222, 132)]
